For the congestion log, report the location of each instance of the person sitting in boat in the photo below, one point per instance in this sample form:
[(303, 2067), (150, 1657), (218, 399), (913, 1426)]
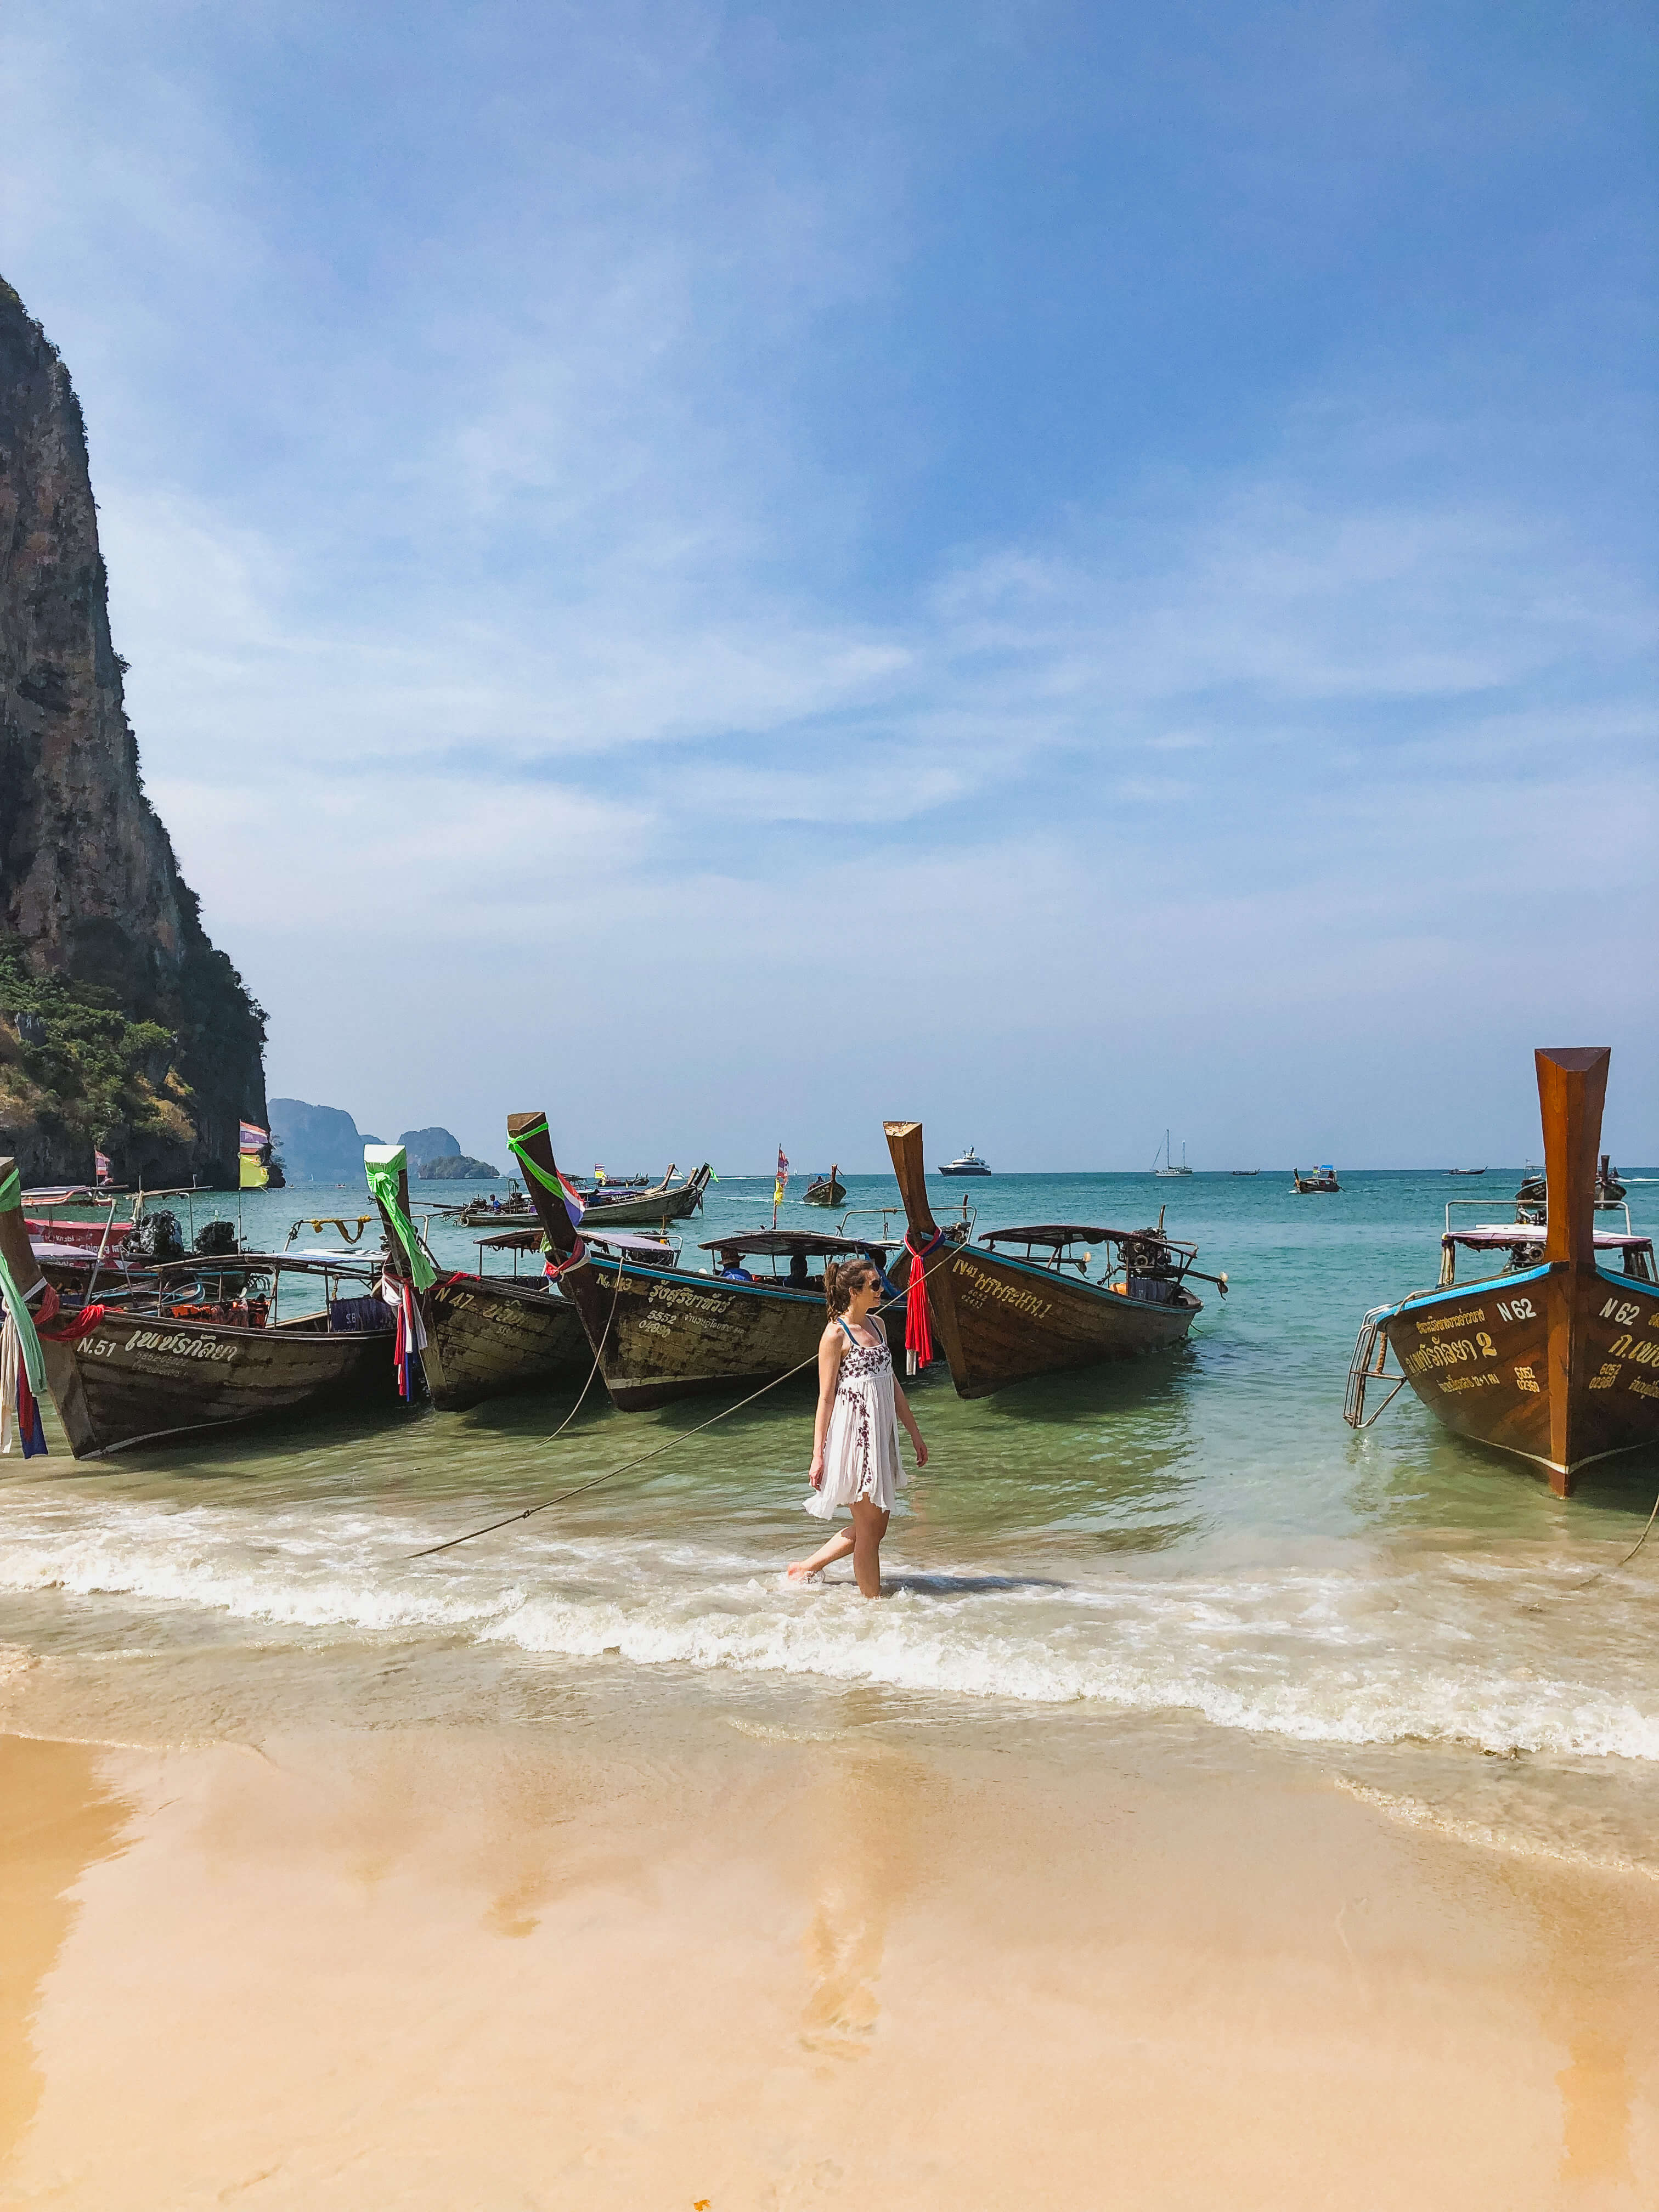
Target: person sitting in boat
[(797, 1276), (732, 1269)]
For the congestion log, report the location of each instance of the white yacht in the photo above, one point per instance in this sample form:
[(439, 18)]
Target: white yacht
[(968, 1163)]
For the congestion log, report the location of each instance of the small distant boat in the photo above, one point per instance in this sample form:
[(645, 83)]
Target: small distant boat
[(1466, 1171), (1246, 1171), (1168, 1166), (1609, 1190), (826, 1190), (1321, 1179), (1556, 1356), (968, 1163), (494, 1212), (1002, 1319)]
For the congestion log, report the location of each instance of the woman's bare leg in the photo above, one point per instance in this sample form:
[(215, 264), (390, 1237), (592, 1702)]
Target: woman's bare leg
[(869, 1526), (837, 1548)]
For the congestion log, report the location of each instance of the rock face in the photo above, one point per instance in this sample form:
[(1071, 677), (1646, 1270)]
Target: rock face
[(318, 1144), (424, 1145), (92, 905), (461, 1168)]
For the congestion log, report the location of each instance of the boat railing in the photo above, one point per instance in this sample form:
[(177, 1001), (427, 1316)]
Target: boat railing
[(1368, 1365)]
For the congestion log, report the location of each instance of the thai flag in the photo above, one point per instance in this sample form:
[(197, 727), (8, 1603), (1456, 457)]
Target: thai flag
[(100, 1166), (783, 1176), (574, 1204), (253, 1139)]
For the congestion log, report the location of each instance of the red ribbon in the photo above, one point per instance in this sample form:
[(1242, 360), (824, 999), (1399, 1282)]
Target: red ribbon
[(69, 1328), (575, 1260), (918, 1336)]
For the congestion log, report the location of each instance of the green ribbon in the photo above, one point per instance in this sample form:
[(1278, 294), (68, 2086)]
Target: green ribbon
[(16, 1305), (530, 1167), (381, 1163)]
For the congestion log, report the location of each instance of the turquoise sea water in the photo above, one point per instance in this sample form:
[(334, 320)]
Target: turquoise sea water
[(1195, 1540)]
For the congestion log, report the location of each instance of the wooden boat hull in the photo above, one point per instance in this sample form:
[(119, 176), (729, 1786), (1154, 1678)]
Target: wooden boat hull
[(1559, 1365), (661, 1333), (496, 1216), (485, 1339), (644, 1212), (137, 1378), (1003, 1321), (824, 1194), (669, 1333)]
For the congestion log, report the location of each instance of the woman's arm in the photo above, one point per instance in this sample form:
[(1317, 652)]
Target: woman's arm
[(829, 1350), (902, 1406)]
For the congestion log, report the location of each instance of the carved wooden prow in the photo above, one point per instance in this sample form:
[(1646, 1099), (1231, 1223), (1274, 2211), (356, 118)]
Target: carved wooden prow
[(26, 1271), (904, 1143), (395, 1244), (1572, 1087), (530, 1132)]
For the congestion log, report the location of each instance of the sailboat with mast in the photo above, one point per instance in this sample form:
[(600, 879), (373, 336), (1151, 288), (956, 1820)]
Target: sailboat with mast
[(1168, 1166)]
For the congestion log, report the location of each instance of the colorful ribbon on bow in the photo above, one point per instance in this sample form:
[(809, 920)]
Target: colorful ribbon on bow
[(918, 1336), (411, 1336), (553, 1268), (22, 1364)]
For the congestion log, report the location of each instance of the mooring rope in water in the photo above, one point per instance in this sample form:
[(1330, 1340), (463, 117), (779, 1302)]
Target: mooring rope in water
[(1599, 1574), (640, 1458)]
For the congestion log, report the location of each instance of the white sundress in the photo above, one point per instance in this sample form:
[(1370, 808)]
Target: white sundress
[(861, 1451)]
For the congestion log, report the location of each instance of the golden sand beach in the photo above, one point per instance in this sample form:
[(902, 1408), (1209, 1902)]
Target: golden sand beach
[(681, 1957)]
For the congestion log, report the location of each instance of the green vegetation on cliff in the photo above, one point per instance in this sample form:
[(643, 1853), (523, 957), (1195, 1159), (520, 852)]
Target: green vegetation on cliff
[(78, 1067)]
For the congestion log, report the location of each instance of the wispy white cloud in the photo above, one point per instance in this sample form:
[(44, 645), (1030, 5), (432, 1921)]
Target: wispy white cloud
[(494, 618)]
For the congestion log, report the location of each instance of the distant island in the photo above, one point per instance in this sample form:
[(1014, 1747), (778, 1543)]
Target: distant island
[(318, 1144), (323, 1143)]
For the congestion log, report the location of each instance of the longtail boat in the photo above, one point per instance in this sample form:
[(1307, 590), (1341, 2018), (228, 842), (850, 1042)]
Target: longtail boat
[(661, 1203), (1002, 1319), (661, 1333), (486, 1335), (826, 1190), (1322, 1180), (1609, 1190), (1556, 1356), (173, 1363)]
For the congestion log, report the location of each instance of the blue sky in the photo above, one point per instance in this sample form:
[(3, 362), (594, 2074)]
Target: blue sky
[(731, 571)]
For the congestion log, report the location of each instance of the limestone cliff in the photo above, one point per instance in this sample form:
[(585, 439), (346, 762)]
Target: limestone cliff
[(121, 1024)]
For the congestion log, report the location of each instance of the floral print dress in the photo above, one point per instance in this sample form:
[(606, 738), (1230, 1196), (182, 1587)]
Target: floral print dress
[(860, 1452)]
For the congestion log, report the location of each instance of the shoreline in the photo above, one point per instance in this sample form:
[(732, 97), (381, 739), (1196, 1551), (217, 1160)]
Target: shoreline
[(655, 1950)]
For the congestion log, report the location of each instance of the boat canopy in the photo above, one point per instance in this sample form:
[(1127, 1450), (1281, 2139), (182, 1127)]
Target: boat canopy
[(528, 1240), (1523, 1235), (1056, 1235), (789, 1241)]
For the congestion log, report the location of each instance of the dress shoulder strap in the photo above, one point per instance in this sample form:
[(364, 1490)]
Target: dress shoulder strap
[(841, 1323)]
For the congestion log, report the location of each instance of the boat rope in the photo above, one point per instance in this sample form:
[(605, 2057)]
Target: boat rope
[(1601, 1574), (639, 1460)]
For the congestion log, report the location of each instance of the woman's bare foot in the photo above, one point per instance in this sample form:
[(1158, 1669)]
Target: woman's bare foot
[(803, 1571)]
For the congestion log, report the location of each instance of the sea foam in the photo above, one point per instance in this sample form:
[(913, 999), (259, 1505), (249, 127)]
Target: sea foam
[(1343, 1654)]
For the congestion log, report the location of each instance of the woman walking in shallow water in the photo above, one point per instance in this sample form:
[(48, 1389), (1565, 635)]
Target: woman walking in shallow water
[(855, 1453)]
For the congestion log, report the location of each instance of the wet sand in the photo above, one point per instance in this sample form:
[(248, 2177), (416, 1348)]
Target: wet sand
[(701, 1960)]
